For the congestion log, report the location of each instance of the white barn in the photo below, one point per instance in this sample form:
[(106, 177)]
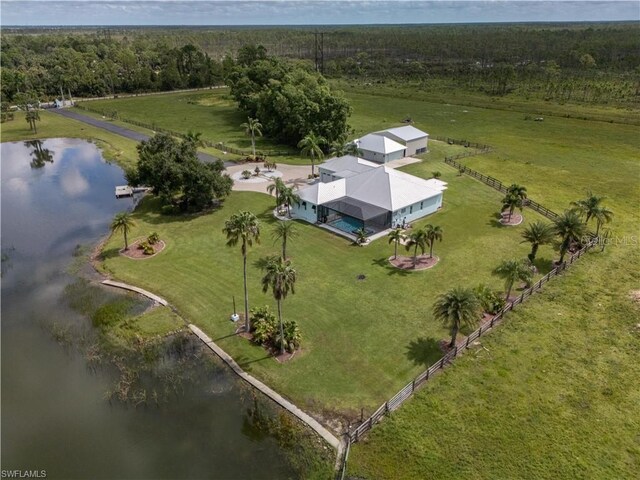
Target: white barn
[(380, 149), (414, 140)]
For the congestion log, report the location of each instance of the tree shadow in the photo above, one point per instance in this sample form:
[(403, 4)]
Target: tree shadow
[(391, 270), (109, 253), (544, 265), (424, 351), (245, 363)]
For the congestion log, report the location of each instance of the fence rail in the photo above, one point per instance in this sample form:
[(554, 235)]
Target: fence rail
[(465, 143), (152, 126), (408, 390), (498, 185)]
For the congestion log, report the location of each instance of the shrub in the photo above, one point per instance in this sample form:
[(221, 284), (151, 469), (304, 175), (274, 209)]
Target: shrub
[(142, 245), (292, 336), (491, 301), (153, 238), (246, 174), (436, 174), (148, 249), (263, 324)]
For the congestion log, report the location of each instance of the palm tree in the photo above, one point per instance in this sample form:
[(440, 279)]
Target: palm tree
[(194, 138), (588, 206), (457, 308), (310, 146), (123, 222), (537, 233), (602, 216), (280, 277), (288, 196), (352, 149), (338, 147), (433, 234), (569, 228), (396, 236), (417, 239), (252, 128), (32, 116), (284, 231), (244, 228), (511, 271), (511, 201), (361, 236), (517, 190), (278, 185)]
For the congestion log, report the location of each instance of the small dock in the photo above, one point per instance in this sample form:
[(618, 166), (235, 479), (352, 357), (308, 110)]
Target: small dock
[(127, 191)]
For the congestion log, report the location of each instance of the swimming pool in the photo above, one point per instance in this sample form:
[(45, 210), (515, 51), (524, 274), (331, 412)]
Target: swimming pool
[(347, 224)]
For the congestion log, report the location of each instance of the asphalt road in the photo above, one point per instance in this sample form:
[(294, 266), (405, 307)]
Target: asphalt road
[(125, 132)]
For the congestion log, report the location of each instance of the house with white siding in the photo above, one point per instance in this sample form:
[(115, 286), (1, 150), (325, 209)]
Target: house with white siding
[(354, 193), (380, 149)]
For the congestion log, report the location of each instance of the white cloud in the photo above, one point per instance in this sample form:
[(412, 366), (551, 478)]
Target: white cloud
[(73, 183)]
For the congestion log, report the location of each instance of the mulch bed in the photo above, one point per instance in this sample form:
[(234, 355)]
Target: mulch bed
[(516, 219), (138, 254), (406, 263), (275, 353)]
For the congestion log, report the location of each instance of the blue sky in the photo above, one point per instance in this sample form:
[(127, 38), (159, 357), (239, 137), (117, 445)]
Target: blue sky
[(302, 12)]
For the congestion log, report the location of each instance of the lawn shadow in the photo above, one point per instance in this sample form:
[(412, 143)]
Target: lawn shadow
[(391, 270), (495, 221), (244, 362), (424, 351), (109, 253), (544, 265)]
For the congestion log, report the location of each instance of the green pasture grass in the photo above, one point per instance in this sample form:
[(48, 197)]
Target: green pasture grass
[(362, 340), (212, 113), (114, 147), (550, 394)]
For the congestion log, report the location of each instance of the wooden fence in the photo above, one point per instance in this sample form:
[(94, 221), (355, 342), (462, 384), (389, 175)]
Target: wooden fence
[(399, 398), (152, 126), (498, 185), (465, 143)]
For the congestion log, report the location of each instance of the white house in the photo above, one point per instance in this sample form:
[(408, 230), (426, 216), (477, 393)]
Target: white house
[(414, 140), (380, 149), (375, 198)]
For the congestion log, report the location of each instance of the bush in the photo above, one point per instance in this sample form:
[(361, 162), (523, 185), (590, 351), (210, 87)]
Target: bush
[(246, 174), (436, 174), (266, 330), (491, 301), (153, 238), (146, 248), (292, 336)]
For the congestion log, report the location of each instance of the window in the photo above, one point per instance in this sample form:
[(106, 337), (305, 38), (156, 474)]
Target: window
[(403, 210), (421, 205), (313, 207), (304, 204), (411, 209)]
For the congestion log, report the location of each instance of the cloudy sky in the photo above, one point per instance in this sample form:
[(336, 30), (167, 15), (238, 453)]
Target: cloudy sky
[(303, 12)]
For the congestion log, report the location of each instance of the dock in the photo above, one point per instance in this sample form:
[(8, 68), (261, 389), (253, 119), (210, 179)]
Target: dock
[(124, 191)]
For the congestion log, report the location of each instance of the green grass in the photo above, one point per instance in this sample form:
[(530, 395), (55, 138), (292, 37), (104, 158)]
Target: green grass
[(114, 147), (213, 113), (347, 359), (151, 324)]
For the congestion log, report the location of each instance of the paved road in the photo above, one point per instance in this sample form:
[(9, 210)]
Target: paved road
[(125, 132)]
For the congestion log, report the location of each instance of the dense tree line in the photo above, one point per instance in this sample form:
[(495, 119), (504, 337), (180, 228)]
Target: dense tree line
[(290, 100), (44, 65), (578, 62)]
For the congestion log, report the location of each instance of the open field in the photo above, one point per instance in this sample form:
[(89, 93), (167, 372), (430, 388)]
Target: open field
[(362, 339)]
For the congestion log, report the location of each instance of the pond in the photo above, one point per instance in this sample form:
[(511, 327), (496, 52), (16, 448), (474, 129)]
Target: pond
[(57, 194)]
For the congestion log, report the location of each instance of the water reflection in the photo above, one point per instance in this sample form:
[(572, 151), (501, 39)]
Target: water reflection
[(40, 156)]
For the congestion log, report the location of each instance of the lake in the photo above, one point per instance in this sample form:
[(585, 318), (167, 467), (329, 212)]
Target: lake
[(57, 194)]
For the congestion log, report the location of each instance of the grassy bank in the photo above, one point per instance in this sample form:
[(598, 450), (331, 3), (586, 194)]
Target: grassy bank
[(114, 147)]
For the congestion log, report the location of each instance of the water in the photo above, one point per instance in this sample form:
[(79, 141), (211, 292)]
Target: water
[(55, 195), (347, 224)]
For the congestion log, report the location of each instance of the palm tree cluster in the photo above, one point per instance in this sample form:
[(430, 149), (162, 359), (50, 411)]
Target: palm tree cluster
[(418, 239), (592, 208), (284, 195)]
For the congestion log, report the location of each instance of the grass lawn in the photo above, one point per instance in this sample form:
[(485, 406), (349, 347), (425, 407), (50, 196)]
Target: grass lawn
[(362, 339), (114, 147)]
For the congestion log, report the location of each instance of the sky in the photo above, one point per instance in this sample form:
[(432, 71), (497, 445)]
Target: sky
[(307, 12)]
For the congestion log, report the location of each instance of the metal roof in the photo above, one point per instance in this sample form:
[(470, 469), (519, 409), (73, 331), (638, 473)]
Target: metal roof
[(406, 133), (378, 144), (347, 162)]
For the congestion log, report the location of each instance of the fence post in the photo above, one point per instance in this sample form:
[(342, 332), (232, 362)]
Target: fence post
[(413, 385)]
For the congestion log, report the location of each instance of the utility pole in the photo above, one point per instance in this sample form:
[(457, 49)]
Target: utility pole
[(319, 50)]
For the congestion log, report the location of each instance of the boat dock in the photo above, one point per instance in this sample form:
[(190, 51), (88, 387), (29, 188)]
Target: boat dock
[(127, 191)]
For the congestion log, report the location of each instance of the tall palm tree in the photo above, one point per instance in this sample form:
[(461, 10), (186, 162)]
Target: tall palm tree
[(311, 146), (569, 228), (602, 216), (32, 116), (277, 186), (433, 233), (512, 271), (280, 277), (123, 222), (417, 239), (284, 231), (511, 201), (517, 190), (457, 308), (537, 233), (587, 207), (352, 149), (288, 196), (396, 236), (338, 147), (252, 128), (244, 228)]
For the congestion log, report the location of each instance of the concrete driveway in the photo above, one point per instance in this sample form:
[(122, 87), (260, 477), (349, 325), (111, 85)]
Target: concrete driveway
[(292, 175)]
